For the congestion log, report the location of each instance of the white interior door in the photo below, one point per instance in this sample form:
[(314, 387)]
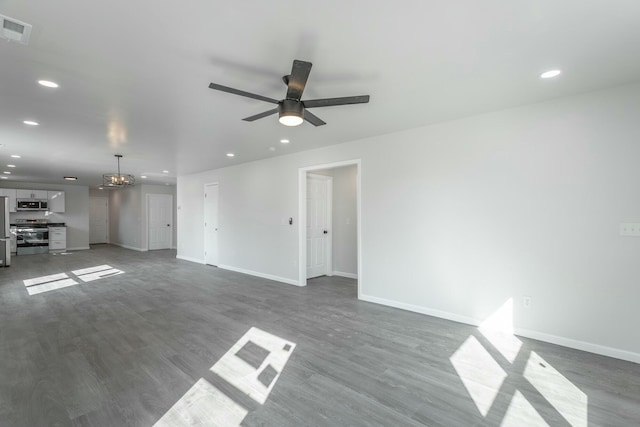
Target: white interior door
[(160, 221), (98, 219), (318, 225), (211, 224)]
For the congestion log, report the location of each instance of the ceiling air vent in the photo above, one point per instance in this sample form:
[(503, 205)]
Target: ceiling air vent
[(14, 30)]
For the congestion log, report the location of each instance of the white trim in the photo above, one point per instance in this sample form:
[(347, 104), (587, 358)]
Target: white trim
[(81, 248), (261, 275), (343, 274), (302, 217), (580, 345), (170, 196), (190, 259), (129, 247), (419, 309), (540, 336)]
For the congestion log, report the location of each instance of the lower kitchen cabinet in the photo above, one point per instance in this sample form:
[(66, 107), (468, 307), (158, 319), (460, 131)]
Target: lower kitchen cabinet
[(57, 238)]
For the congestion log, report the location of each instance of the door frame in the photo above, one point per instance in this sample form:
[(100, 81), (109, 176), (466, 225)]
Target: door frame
[(204, 216), (170, 213), (328, 252), (108, 222), (302, 215)]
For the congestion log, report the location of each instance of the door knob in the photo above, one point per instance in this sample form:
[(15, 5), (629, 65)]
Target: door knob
[(168, 225), (325, 232)]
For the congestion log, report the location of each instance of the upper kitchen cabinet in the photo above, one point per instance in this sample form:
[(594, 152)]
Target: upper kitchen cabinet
[(56, 201), (11, 194), (32, 194)]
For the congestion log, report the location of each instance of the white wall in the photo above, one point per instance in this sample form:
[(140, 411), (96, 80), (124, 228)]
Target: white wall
[(125, 217), (345, 224), (459, 217), (128, 214), (76, 215)]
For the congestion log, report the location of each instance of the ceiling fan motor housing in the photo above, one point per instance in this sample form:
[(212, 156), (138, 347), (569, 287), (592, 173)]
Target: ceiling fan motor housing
[(290, 107)]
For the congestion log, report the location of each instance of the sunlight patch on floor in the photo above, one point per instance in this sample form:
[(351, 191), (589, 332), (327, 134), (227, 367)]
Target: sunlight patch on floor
[(51, 286), (252, 365), (52, 282), (522, 413), (485, 377), (561, 393), (256, 380), (481, 375), (203, 405)]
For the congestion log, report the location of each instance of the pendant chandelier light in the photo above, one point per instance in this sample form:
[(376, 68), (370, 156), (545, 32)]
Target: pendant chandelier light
[(117, 179)]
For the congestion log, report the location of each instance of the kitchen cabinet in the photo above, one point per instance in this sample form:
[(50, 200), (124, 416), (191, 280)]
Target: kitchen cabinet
[(31, 194), (11, 194), (56, 201), (57, 238)]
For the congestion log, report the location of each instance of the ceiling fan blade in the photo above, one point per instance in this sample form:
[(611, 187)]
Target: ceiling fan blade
[(261, 115), (215, 86), (313, 119), (330, 102), (298, 79)]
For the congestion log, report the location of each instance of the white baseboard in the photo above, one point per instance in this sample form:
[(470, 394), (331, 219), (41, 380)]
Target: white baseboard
[(262, 275), (580, 345), (79, 248), (343, 274), (540, 336), (419, 309), (129, 247), (188, 258)]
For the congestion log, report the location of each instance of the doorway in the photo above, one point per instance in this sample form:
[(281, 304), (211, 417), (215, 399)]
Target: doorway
[(211, 193), (159, 221), (98, 220), (352, 221)]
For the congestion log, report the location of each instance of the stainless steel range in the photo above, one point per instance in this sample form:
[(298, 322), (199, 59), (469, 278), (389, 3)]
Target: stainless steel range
[(32, 236)]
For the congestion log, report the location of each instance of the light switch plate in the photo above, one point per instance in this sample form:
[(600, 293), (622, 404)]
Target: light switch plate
[(630, 229)]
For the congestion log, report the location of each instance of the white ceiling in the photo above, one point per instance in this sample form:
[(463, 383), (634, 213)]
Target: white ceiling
[(134, 74)]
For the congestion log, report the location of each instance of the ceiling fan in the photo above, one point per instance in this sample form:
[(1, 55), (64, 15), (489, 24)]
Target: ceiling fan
[(292, 110)]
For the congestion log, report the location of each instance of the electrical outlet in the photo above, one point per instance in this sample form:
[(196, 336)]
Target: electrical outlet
[(630, 229), (526, 302)]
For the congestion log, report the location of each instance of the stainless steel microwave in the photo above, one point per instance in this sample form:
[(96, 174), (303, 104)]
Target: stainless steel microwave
[(31, 205)]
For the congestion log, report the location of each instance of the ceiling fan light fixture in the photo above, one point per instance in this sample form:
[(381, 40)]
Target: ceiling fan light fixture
[(290, 112)]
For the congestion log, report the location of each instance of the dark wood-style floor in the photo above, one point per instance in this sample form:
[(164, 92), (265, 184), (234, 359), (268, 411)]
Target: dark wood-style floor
[(122, 350)]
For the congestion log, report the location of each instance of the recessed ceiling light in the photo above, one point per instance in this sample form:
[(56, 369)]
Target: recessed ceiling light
[(11, 166), (71, 178), (6, 173), (30, 123), (284, 141), (47, 83), (165, 171), (143, 176), (550, 74), (16, 156), (230, 154)]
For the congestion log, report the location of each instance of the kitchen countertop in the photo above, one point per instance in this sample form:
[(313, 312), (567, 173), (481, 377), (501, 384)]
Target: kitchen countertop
[(49, 224)]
